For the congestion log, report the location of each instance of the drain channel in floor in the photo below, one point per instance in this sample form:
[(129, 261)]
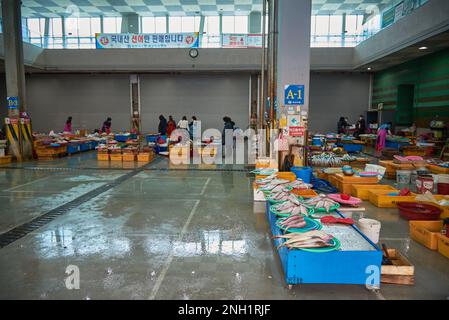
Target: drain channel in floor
[(38, 222)]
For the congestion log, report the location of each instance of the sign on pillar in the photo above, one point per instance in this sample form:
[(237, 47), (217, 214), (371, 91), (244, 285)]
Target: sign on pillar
[(294, 95)]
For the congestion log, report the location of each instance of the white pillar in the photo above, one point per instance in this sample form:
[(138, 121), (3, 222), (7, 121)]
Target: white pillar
[(294, 47)]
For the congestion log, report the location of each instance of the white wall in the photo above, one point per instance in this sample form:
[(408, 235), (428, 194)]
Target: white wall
[(209, 97)]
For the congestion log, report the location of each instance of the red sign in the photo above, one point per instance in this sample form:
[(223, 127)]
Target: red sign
[(296, 131)]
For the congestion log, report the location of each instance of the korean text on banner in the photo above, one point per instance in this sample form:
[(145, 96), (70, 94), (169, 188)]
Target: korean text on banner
[(149, 41)]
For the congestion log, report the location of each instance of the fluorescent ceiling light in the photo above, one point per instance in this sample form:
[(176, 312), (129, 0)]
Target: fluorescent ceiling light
[(423, 48)]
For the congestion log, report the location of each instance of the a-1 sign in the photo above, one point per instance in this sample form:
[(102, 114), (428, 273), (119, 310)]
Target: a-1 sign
[(13, 102), (294, 95)]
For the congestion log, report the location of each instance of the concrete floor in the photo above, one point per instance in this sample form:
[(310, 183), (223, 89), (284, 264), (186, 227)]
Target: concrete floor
[(169, 234)]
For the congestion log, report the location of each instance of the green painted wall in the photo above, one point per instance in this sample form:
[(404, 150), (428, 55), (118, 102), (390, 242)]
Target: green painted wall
[(429, 75)]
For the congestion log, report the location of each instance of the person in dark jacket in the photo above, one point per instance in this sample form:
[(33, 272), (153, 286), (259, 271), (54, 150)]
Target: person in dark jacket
[(162, 125), (107, 126), (360, 127), (228, 125), (342, 125)]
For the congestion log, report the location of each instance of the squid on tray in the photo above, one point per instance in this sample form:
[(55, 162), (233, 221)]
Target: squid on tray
[(295, 221), (310, 239), (299, 185), (322, 201), (266, 180), (292, 208), (285, 196), (275, 183)]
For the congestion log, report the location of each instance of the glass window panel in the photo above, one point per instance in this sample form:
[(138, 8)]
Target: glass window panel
[(351, 24), (313, 24), (109, 25), (212, 25), (175, 24), (335, 25), (148, 25), (34, 27), (160, 26), (118, 23), (241, 24), (188, 24), (322, 25), (71, 26), (56, 27), (95, 26), (197, 24), (84, 27), (228, 24)]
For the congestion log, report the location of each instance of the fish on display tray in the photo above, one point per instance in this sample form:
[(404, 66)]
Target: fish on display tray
[(290, 208), (310, 239), (322, 203)]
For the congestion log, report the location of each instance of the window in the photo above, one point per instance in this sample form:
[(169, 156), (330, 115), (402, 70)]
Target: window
[(322, 26), (71, 27), (148, 25), (241, 24), (95, 25), (112, 24), (228, 24), (354, 24), (335, 25), (36, 26), (175, 24), (188, 24), (160, 25), (55, 27), (212, 25)]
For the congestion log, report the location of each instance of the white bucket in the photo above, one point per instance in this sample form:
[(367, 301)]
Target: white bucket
[(375, 168), (403, 177), (371, 228)]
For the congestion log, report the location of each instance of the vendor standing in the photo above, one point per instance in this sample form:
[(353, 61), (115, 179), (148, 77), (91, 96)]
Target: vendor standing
[(107, 126), (360, 127), (68, 125), (171, 126), (382, 133), (342, 125), (162, 128)]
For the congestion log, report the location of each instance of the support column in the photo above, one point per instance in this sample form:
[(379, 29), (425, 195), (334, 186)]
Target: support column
[(293, 57), (130, 23), (46, 32), (15, 79)]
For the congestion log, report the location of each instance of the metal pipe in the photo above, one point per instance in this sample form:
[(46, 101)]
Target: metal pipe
[(262, 71), (274, 65)]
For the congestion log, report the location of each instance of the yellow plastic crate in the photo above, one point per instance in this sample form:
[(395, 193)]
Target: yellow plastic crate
[(5, 159), (144, 157), (426, 232), (437, 169), (443, 245), (129, 157), (362, 191), (103, 157), (381, 199), (116, 157)]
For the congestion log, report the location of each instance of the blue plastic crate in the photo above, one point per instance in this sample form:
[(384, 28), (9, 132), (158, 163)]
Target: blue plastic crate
[(396, 145), (121, 138), (152, 138), (73, 148), (351, 147), (84, 147)]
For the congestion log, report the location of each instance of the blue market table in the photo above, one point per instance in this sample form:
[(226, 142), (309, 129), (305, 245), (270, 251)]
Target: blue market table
[(354, 263)]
